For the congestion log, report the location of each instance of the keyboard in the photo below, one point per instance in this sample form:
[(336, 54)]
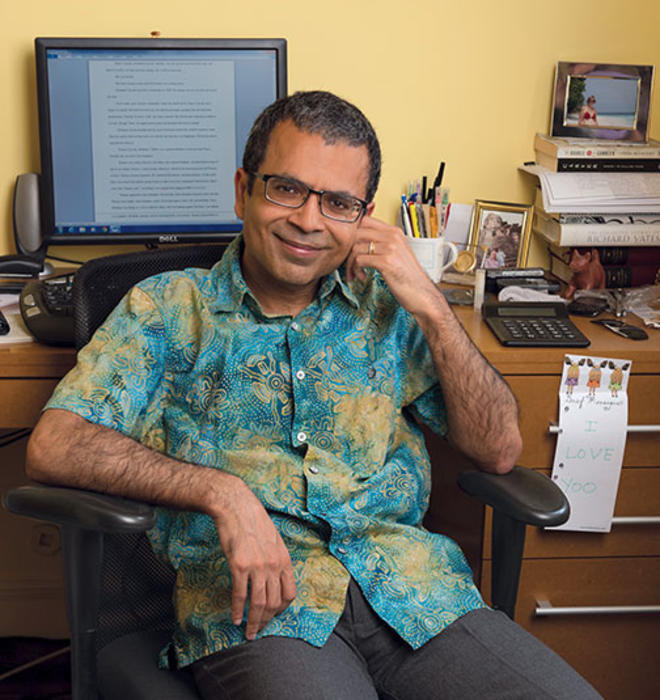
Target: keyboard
[(47, 309)]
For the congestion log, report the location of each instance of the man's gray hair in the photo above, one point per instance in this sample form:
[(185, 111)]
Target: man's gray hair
[(316, 112)]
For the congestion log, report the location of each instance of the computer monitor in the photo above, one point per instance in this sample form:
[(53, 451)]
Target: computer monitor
[(140, 138)]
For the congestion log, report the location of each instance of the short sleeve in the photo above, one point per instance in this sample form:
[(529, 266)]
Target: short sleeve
[(119, 374), (422, 393)]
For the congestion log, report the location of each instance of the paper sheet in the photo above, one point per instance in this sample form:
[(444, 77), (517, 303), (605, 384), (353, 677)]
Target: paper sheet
[(593, 423), (458, 225), (598, 193)]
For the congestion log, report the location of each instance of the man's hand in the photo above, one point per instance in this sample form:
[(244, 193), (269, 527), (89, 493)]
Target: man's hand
[(67, 450), (259, 562), (386, 249), (481, 410)]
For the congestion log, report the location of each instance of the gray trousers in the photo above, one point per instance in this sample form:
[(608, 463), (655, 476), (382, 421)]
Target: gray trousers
[(482, 655)]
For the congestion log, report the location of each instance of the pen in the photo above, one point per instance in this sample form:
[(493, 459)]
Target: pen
[(447, 216), (405, 217), (421, 223)]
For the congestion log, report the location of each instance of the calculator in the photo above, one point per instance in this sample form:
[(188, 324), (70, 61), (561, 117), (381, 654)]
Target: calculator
[(533, 324)]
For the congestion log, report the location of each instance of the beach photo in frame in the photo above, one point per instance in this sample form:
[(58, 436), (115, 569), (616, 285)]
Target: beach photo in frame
[(500, 233), (602, 101)]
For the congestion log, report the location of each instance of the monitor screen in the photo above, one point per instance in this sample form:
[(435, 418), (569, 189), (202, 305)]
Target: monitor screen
[(140, 138)]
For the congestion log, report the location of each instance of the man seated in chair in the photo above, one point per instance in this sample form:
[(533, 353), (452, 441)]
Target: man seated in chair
[(269, 407)]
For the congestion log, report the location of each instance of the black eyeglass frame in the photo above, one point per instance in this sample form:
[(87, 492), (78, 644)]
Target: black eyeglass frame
[(622, 328), (265, 178)]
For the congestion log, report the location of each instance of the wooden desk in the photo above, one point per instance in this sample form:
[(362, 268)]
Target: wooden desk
[(618, 654), (31, 584), (28, 374)]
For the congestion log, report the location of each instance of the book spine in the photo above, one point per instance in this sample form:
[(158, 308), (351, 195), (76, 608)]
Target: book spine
[(559, 148), (600, 219), (607, 165), (642, 256), (617, 255), (630, 276), (615, 275), (620, 235), (560, 269)]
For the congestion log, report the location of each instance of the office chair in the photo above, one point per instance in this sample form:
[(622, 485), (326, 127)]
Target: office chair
[(119, 595)]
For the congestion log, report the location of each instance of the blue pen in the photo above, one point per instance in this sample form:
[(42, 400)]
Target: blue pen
[(405, 217)]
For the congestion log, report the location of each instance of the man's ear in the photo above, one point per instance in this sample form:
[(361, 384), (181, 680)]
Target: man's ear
[(370, 209), (240, 192)]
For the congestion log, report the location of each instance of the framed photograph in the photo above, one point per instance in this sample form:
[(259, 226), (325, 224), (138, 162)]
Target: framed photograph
[(602, 101), (500, 233)]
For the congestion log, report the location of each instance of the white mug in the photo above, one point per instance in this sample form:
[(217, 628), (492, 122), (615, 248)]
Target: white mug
[(431, 253)]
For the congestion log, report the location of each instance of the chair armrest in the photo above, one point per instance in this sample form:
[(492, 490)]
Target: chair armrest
[(86, 510), (522, 494)]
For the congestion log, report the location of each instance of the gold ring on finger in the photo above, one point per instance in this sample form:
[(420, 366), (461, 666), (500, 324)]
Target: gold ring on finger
[(372, 248)]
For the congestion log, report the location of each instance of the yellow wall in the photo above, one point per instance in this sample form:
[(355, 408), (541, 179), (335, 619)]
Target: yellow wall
[(465, 81)]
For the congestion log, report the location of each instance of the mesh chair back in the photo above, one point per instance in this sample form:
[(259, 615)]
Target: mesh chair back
[(100, 284), (136, 588)]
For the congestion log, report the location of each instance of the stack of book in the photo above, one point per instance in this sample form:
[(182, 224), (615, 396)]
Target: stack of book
[(588, 155), (639, 266), (628, 245), (586, 207)]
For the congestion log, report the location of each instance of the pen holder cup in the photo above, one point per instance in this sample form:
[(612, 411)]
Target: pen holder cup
[(435, 255)]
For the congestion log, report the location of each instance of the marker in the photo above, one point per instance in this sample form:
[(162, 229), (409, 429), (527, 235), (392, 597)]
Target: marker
[(413, 219), (438, 178), (428, 227), (442, 201), (433, 218)]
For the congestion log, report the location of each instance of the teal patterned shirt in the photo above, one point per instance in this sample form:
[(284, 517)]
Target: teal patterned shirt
[(317, 414)]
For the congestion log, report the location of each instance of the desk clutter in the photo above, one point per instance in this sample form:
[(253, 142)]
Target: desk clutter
[(424, 210), (597, 211), (47, 309), (38, 309)]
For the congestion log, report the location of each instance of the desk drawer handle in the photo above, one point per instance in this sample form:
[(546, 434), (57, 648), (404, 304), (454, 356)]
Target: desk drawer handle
[(544, 608), (554, 429), (637, 520)]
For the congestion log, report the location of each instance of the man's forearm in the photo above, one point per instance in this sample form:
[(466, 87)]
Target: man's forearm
[(482, 411), (67, 450)]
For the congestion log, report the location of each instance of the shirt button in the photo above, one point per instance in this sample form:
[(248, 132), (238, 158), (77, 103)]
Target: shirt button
[(294, 326), (301, 437), (300, 374), (314, 470), (341, 550)]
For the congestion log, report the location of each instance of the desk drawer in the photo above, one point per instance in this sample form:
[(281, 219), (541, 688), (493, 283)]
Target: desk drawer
[(539, 407), (618, 654), (21, 401)]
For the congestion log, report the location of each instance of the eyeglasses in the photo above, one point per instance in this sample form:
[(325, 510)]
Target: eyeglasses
[(622, 328), (291, 193)]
